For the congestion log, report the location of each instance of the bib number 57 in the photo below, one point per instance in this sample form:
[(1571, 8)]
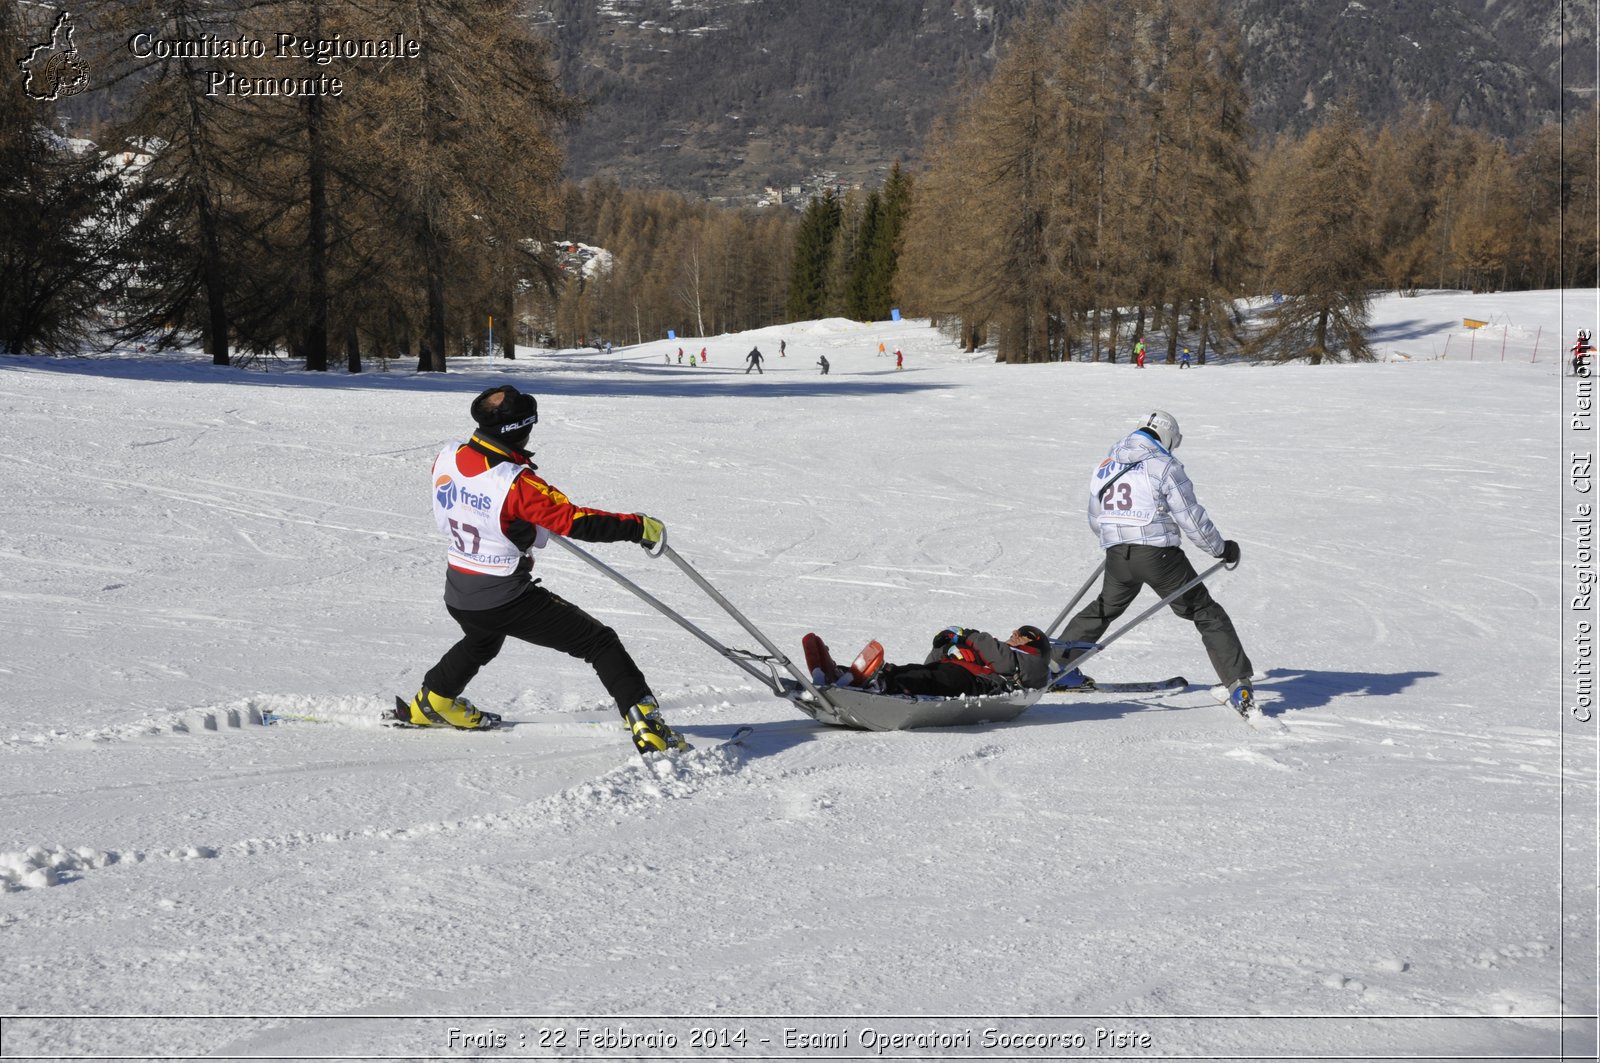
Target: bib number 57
[(457, 529)]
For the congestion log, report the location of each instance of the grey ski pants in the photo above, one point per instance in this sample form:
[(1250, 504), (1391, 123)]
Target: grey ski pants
[(1129, 567)]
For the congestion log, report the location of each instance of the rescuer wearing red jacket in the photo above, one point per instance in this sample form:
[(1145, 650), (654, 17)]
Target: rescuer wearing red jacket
[(493, 508)]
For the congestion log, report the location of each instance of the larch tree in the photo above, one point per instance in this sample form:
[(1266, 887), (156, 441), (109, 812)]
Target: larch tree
[(1009, 146), (469, 135), (182, 218), (1320, 252), (1210, 109)]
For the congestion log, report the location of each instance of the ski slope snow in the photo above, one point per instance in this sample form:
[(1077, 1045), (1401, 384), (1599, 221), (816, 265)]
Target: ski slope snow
[(1402, 863)]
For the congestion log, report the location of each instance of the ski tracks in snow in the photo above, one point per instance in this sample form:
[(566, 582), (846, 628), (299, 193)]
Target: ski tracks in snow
[(573, 770)]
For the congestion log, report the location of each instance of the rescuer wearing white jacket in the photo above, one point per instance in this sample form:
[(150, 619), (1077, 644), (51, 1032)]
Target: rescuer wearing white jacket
[(1141, 505)]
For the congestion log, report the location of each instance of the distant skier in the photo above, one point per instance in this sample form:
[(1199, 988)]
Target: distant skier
[(1141, 505), (754, 359), (493, 509), (1138, 354), (781, 345), (881, 351), (704, 357), (1183, 362), (680, 355), (899, 359), (691, 361), (823, 361)]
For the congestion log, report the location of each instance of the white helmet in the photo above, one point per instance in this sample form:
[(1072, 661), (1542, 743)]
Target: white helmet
[(1165, 428)]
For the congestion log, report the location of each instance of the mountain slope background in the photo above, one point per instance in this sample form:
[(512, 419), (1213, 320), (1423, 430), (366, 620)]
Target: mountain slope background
[(725, 97)]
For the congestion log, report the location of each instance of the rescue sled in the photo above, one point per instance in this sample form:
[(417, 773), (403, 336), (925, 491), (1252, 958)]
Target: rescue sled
[(854, 704), (846, 706), (868, 710)]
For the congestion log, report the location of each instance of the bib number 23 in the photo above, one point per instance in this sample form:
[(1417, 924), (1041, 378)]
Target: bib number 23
[(1119, 497)]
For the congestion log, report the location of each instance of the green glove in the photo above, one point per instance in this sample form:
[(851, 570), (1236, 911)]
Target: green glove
[(654, 536)]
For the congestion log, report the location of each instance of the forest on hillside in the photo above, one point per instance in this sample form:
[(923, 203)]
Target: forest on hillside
[(1105, 179)]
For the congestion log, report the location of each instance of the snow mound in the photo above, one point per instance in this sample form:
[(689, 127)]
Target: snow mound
[(627, 789)]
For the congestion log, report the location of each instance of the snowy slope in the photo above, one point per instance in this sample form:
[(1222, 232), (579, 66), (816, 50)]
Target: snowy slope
[(1377, 870)]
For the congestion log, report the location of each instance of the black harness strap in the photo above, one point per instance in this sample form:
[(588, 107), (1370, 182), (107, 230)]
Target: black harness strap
[(1101, 497)]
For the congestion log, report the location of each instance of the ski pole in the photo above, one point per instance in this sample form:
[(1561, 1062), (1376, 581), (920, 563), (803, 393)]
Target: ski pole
[(663, 609), (756, 633), (1050, 631), (1147, 614)]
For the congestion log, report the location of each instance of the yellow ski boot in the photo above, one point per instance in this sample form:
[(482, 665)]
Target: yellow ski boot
[(650, 732), (428, 709)]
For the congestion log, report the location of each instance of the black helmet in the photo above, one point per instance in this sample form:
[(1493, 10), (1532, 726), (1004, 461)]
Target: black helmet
[(1031, 633), (510, 419)]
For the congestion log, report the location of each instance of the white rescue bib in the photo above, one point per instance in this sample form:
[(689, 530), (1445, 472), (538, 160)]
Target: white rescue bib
[(467, 510), (1130, 498)]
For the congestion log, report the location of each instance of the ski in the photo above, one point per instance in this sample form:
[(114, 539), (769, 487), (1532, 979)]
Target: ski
[(270, 718), (1154, 686)]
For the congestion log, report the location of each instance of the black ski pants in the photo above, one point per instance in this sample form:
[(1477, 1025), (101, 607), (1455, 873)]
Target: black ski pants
[(1129, 567), (942, 679), (544, 619)]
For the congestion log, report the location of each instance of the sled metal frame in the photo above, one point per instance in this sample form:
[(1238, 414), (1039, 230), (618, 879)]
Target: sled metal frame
[(849, 706), (1066, 610), (790, 688)]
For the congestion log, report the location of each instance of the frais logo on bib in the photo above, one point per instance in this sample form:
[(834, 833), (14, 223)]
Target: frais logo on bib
[(444, 489), (449, 494)]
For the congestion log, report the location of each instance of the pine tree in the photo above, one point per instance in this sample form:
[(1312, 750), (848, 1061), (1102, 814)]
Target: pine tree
[(877, 248), (56, 254), (808, 273), (861, 283)]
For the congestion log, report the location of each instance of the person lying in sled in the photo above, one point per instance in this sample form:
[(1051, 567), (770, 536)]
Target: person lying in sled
[(968, 661)]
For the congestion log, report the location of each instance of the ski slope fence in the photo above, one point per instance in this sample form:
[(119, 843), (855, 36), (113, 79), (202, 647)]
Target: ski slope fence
[(1492, 342)]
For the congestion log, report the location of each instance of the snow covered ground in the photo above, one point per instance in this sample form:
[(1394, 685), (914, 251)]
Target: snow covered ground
[(1399, 861)]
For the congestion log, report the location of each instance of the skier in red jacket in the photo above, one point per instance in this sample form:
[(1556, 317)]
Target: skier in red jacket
[(494, 509)]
